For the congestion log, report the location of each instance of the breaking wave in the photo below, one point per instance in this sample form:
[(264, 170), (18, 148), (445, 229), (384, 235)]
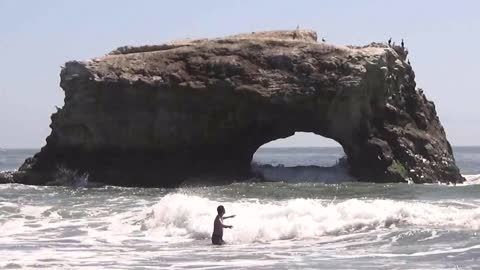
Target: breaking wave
[(337, 173), (184, 216), (473, 179)]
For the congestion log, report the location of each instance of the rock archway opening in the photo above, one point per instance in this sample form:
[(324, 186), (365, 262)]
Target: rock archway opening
[(304, 156)]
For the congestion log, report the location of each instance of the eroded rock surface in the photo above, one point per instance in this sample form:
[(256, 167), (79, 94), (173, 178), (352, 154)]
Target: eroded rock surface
[(157, 115)]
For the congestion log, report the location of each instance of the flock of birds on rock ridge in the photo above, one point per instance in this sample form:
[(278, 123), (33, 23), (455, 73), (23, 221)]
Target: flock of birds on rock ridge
[(389, 42)]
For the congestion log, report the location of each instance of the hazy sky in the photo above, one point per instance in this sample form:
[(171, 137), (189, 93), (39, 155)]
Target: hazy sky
[(37, 37)]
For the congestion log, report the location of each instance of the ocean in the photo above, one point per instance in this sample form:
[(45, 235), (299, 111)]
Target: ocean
[(301, 223)]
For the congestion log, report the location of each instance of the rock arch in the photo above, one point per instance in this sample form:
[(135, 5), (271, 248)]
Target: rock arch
[(157, 115)]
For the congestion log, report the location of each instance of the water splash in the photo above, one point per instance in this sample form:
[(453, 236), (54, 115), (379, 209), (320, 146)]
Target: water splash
[(68, 177), (184, 216)]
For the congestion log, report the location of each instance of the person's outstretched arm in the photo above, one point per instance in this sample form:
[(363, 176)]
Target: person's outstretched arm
[(232, 216), (226, 226)]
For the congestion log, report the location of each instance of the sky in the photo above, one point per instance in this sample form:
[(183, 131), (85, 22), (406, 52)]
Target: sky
[(38, 37)]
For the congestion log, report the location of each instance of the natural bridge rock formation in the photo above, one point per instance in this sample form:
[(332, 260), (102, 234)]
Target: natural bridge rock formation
[(157, 115)]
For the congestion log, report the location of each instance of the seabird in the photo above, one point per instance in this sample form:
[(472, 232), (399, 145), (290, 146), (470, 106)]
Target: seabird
[(296, 32), (389, 41), (323, 39), (403, 44)]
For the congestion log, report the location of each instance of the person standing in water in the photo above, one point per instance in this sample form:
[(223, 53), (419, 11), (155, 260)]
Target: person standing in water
[(217, 236)]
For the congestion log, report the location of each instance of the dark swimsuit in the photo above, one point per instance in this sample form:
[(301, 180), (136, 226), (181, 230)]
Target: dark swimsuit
[(217, 240)]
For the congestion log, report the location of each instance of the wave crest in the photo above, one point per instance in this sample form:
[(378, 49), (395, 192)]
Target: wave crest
[(184, 216)]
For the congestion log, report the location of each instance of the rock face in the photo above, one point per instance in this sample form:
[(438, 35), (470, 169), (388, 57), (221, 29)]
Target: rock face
[(157, 115)]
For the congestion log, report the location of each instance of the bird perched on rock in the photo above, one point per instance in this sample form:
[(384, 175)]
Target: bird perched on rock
[(403, 44), (389, 42), (323, 39), (297, 32)]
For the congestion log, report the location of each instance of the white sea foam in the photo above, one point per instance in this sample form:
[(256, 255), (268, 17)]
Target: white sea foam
[(472, 179), (176, 228), (33, 211), (180, 216)]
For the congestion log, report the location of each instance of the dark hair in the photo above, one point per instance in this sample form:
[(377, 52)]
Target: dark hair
[(220, 209)]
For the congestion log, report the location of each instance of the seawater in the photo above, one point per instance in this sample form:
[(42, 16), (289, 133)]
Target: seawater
[(278, 225)]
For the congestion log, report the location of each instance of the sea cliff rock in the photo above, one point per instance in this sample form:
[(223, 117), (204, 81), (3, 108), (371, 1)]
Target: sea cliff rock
[(158, 115)]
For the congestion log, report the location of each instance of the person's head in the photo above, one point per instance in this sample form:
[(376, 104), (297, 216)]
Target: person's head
[(221, 210)]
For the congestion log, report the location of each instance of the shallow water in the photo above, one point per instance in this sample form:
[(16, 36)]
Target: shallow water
[(278, 225)]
